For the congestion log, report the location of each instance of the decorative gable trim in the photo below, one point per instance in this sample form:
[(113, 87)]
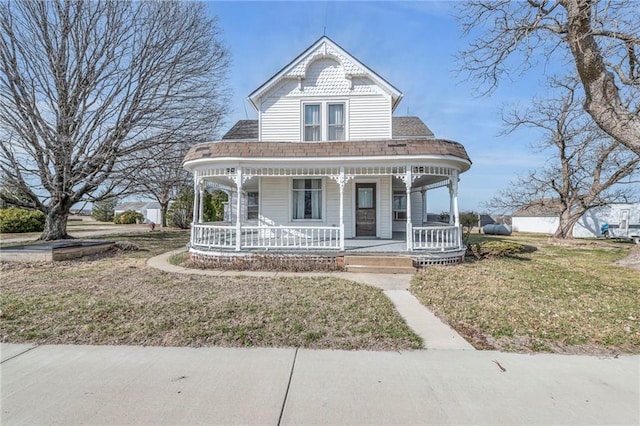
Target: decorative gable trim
[(325, 48)]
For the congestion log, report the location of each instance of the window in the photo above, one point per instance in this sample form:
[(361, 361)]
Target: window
[(324, 121), (399, 206), (307, 199), (252, 205), (312, 122), (335, 126)]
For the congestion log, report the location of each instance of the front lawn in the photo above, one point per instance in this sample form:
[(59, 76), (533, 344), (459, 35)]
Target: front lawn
[(117, 299), (559, 298)]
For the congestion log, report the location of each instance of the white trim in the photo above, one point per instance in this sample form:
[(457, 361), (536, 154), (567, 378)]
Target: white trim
[(353, 204), (396, 160)]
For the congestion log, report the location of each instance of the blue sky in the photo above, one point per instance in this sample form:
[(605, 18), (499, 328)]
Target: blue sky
[(410, 44)]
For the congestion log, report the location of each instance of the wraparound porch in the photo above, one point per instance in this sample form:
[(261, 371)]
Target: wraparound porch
[(208, 237)]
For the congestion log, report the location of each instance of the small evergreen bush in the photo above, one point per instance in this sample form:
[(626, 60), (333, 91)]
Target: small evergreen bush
[(128, 217), (103, 211), (492, 249), (14, 220)]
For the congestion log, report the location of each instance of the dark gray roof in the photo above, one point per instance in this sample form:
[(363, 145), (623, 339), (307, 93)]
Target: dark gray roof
[(243, 129), (403, 128), (410, 127)]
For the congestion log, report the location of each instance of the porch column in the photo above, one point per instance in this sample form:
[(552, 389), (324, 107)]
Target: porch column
[(196, 182), (195, 207), (423, 191), (408, 178), (238, 180), (200, 201), (341, 179), (451, 214), (454, 201), (341, 182)]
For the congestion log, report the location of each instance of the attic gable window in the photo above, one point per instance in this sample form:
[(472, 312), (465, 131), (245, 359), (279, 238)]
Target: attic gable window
[(312, 128)]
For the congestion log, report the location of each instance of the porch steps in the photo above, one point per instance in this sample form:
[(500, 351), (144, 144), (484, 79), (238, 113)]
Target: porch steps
[(379, 264)]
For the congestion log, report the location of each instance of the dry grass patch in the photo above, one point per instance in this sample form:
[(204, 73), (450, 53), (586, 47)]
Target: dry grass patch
[(119, 300), (557, 299)]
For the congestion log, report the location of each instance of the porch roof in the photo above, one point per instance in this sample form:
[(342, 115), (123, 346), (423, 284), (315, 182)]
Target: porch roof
[(349, 149)]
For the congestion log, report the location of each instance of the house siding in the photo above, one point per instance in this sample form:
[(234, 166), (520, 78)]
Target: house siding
[(370, 117), (368, 108), (276, 203), (280, 119)]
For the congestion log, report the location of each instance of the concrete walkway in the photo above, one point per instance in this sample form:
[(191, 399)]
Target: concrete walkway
[(434, 333), (106, 385)]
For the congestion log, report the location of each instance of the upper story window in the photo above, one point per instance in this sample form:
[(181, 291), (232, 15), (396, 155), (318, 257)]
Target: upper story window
[(312, 129), (335, 123), (324, 121)]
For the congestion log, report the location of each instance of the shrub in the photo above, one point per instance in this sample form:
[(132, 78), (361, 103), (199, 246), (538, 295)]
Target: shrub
[(468, 220), (492, 249), (21, 220), (128, 217), (181, 211)]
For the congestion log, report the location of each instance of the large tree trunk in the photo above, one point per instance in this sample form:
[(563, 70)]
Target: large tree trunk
[(567, 221), (55, 225), (602, 96), (164, 208)]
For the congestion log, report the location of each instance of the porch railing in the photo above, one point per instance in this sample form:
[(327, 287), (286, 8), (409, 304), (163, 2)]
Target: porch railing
[(213, 236), (441, 238), (259, 237), (224, 236)]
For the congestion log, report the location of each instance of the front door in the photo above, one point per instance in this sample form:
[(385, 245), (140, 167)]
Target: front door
[(365, 209)]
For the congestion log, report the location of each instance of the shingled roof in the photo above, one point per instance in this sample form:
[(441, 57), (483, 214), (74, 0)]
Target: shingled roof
[(376, 148), (410, 127), (403, 128), (243, 129)]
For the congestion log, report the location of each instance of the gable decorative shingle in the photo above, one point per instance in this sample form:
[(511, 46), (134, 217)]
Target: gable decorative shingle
[(325, 48)]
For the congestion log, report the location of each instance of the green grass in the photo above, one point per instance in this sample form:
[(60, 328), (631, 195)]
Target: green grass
[(117, 299), (552, 298)]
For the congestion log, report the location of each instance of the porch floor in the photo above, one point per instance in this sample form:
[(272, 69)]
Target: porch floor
[(396, 245)]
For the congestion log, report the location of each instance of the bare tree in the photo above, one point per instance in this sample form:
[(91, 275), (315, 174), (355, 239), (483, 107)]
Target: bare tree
[(587, 168), (163, 176), (88, 87), (600, 38)]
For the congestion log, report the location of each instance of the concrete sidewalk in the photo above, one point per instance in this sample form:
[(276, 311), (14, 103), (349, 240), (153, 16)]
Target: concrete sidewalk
[(434, 333), (151, 385)]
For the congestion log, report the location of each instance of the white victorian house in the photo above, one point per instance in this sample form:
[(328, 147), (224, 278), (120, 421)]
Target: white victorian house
[(327, 165)]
